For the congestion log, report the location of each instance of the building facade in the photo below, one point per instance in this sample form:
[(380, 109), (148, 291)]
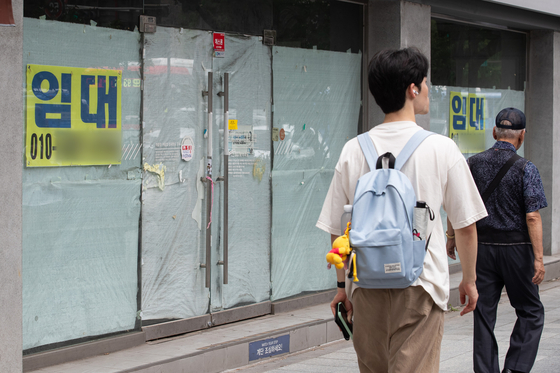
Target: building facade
[(168, 161)]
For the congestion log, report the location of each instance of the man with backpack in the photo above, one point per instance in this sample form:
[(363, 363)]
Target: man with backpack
[(398, 323), (510, 247)]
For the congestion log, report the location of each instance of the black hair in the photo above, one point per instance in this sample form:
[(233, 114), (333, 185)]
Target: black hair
[(390, 74)]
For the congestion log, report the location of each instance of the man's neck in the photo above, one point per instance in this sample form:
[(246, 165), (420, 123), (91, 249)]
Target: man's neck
[(512, 142), (405, 114)]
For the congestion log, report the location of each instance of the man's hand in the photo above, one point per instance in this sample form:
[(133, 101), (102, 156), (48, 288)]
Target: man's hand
[(468, 290), (450, 247), (466, 247), (341, 297), (539, 272), (534, 224)]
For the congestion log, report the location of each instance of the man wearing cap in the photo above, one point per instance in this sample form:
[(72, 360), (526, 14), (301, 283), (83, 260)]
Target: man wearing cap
[(510, 250)]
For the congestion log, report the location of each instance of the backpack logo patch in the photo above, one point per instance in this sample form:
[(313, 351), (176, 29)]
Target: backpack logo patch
[(393, 268)]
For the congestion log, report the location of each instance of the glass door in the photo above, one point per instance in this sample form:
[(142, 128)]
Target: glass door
[(176, 64), (246, 69), (206, 230)]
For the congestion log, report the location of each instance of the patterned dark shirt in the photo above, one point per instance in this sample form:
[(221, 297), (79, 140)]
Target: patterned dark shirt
[(520, 191)]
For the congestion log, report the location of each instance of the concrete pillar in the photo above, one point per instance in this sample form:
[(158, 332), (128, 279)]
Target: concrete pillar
[(543, 126), (11, 165), (394, 24)]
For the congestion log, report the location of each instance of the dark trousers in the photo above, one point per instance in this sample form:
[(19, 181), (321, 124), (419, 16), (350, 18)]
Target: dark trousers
[(512, 266)]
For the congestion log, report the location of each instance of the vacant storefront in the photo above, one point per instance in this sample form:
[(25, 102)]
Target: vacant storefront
[(172, 170), (173, 173)]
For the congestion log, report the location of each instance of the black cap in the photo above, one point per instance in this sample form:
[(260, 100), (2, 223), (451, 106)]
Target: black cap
[(510, 118)]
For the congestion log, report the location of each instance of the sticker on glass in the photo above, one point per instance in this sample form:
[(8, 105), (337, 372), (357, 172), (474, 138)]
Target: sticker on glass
[(187, 148), (219, 44)]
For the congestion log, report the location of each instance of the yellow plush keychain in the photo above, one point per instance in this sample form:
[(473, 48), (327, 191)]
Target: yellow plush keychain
[(340, 251)]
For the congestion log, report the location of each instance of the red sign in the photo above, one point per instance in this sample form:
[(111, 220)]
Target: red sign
[(54, 9), (6, 13), (219, 42)]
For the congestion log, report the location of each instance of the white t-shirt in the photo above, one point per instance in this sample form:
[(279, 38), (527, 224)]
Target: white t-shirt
[(439, 175)]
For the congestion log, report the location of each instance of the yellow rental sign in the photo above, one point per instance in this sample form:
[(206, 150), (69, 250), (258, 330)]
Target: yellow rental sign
[(468, 117), (73, 116)]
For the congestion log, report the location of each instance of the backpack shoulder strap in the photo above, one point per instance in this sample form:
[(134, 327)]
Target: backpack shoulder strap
[(410, 147), (368, 149)]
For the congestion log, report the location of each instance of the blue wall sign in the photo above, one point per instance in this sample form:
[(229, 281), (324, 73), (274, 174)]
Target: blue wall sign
[(269, 347)]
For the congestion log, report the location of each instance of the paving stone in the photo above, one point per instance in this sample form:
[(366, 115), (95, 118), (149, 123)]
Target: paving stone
[(457, 344)]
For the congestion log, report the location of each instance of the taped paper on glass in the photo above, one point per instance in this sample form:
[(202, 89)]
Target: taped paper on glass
[(242, 141), (260, 120), (232, 124), (159, 171), (468, 119), (467, 115), (73, 116)]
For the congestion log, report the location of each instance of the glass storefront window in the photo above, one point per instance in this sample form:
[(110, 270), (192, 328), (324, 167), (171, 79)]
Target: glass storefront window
[(475, 73), (110, 248), (317, 101), (80, 221)]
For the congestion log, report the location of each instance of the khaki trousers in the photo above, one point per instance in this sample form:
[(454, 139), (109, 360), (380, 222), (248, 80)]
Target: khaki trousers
[(397, 330)]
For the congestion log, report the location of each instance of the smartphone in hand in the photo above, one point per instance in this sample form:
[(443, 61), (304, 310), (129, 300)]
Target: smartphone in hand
[(341, 319)]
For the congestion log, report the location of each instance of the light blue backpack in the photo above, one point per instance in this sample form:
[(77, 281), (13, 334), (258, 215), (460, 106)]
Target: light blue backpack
[(381, 235)]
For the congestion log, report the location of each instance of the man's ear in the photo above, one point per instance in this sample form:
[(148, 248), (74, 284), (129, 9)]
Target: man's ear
[(412, 90), (494, 133), (521, 138)]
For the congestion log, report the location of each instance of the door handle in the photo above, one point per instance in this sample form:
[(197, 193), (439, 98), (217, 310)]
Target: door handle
[(225, 95), (208, 180)]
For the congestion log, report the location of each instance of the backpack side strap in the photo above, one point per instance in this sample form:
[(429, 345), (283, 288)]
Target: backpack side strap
[(410, 147), (368, 149)]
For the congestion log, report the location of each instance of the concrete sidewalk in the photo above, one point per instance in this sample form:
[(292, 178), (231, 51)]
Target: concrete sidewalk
[(240, 344), (456, 349)]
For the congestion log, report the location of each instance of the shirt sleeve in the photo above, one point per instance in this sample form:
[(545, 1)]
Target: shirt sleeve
[(333, 207), (533, 190), (461, 199)]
